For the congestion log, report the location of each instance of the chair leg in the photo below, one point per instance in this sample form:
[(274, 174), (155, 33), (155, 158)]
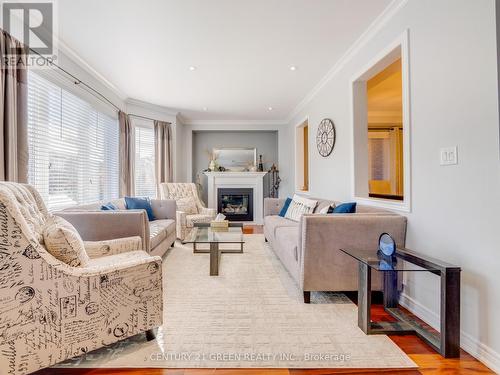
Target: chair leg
[(151, 334), (307, 297)]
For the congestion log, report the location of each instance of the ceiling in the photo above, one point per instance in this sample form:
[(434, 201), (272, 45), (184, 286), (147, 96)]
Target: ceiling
[(242, 50), (385, 97)]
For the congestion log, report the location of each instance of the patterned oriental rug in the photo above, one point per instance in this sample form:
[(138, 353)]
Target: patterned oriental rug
[(252, 315)]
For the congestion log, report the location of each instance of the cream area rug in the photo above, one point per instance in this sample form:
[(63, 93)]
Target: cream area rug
[(251, 315)]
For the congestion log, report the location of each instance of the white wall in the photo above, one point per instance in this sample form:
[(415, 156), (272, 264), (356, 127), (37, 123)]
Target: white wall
[(455, 209)]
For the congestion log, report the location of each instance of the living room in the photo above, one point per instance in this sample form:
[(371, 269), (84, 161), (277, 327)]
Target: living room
[(249, 187)]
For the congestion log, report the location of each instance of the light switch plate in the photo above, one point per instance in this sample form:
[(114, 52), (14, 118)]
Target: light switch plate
[(449, 155)]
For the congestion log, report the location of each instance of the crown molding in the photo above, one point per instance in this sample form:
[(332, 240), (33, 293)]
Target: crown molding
[(367, 35), (79, 61), (234, 122), (152, 107)]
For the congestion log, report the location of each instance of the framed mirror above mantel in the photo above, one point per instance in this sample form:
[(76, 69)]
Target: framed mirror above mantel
[(236, 159)]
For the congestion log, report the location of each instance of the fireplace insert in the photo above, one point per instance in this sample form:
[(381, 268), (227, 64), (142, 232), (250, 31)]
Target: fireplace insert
[(235, 203)]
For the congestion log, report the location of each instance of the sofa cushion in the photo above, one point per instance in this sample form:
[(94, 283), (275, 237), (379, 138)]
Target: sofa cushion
[(140, 203), (345, 208), (64, 243), (109, 207), (284, 209), (322, 203), (159, 230), (288, 239), (299, 207), (274, 221), (198, 218)]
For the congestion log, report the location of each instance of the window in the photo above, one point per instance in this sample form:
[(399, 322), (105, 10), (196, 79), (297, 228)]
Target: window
[(73, 147), (145, 182), (302, 157)]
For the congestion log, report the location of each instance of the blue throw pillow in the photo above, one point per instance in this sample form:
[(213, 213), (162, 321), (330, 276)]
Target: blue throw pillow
[(108, 207), (135, 203), (285, 207), (345, 208)]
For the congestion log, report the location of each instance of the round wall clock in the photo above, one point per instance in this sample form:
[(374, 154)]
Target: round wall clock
[(325, 139)]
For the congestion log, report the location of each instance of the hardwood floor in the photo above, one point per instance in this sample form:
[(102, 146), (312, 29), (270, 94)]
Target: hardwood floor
[(428, 361), (253, 229)]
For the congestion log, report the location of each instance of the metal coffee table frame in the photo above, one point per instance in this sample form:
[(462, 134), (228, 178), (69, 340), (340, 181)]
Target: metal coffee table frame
[(214, 250)]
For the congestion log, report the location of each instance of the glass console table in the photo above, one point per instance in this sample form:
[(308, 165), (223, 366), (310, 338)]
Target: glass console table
[(447, 341)]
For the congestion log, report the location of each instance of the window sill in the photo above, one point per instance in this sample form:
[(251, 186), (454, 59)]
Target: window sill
[(394, 205), (302, 192)]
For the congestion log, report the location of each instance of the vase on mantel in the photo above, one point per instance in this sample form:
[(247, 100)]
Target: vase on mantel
[(212, 165), (261, 165)]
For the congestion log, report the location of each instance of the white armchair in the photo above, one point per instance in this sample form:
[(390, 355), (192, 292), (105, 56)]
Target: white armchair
[(190, 208), (51, 311)]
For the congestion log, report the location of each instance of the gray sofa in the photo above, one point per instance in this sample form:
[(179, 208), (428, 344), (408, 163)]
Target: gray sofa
[(310, 249), (96, 225)]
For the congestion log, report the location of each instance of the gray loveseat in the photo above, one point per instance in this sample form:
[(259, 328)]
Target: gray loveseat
[(96, 225), (310, 249)]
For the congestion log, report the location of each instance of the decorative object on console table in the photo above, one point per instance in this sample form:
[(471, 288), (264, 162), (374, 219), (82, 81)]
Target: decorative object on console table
[(274, 181), (386, 245), (447, 340)]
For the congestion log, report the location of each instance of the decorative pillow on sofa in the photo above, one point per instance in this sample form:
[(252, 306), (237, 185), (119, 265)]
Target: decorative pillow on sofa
[(300, 206), (345, 208), (187, 205), (64, 243), (284, 209), (326, 210), (109, 207), (135, 203)]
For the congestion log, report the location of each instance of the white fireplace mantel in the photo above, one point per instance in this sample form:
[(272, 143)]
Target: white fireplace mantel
[(254, 180)]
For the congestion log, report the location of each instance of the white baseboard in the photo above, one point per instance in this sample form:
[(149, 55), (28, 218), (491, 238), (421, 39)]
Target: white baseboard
[(468, 343)]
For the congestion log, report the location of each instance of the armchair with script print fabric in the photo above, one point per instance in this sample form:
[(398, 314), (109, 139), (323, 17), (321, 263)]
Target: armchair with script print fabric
[(190, 209), (51, 311)]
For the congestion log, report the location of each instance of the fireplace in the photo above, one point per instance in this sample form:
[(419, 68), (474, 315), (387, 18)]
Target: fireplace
[(235, 203)]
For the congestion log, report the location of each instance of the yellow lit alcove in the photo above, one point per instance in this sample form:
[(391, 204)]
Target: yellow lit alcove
[(385, 133)]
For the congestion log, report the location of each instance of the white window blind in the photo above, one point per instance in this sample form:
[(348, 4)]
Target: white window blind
[(145, 185), (73, 147)]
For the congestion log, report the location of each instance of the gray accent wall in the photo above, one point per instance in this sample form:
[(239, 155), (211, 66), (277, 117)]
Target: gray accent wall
[(266, 143)]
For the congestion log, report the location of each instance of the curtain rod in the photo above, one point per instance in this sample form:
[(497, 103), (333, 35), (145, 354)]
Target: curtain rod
[(143, 117), (77, 81)]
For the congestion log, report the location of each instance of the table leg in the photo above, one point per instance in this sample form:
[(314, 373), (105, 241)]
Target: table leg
[(391, 294), (364, 297), (214, 259), (450, 314)]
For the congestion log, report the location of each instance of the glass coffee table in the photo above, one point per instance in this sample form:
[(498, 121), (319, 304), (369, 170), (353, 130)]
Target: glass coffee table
[(202, 233)]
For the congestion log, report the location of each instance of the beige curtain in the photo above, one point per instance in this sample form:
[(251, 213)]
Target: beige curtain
[(13, 110), (127, 155), (163, 153)]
